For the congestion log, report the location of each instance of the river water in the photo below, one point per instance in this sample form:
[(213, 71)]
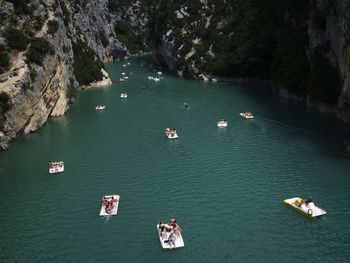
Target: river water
[(225, 186)]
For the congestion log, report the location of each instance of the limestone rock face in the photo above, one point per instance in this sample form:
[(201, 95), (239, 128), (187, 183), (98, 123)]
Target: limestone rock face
[(37, 92), (336, 33)]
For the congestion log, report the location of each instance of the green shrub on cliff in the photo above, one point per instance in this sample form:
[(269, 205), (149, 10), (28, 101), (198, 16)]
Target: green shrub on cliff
[(127, 36), (87, 67), (4, 61), (16, 39), (52, 27), (22, 7), (4, 106), (38, 50)]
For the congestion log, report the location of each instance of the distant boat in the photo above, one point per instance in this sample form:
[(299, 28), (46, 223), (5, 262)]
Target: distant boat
[(124, 95), (121, 79), (247, 115), (306, 206), (222, 123), (56, 167), (109, 205), (171, 134)]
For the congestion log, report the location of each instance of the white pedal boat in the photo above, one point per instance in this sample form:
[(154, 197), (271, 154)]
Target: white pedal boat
[(247, 115), (123, 95), (179, 242), (222, 124), (171, 134), (114, 209), (306, 206), (100, 107), (56, 167)]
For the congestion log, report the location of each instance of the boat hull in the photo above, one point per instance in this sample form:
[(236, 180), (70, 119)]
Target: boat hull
[(246, 116), (309, 210), (56, 170), (222, 125)]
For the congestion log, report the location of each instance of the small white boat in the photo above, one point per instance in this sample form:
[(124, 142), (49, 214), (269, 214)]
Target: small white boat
[(306, 206), (56, 167), (123, 95), (126, 78), (247, 115), (121, 79), (222, 124), (171, 134), (109, 205), (150, 77), (166, 236), (123, 73), (128, 63), (156, 79), (100, 107), (159, 73)]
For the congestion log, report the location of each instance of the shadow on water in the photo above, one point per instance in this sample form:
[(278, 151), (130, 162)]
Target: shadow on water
[(323, 129)]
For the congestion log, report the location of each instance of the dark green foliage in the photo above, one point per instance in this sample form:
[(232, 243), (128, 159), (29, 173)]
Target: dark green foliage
[(22, 7), (38, 22), (52, 27), (324, 80), (86, 66), (4, 102), (290, 65), (4, 106), (38, 50), (32, 74), (126, 34), (26, 86), (4, 61), (16, 39), (66, 13), (71, 92)]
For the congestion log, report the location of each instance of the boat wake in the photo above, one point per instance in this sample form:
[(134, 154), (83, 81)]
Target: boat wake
[(107, 218), (287, 126)]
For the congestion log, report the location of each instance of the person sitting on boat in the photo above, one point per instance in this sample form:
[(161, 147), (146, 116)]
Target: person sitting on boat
[(109, 207), (172, 221), (171, 240), (186, 105), (222, 120), (105, 200), (162, 229), (308, 201)]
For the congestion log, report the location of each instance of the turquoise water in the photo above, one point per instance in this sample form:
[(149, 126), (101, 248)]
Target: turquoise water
[(225, 186)]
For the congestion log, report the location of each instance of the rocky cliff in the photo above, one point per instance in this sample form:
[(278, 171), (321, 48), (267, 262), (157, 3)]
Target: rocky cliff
[(300, 47), (38, 75)]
